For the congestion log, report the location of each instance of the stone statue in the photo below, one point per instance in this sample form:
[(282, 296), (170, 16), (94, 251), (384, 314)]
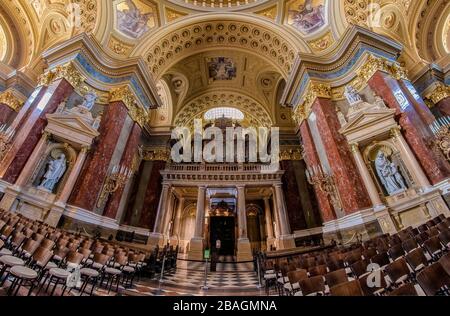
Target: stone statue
[(352, 95), (97, 121), (389, 175), (341, 117), (55, 170), (89, 100)]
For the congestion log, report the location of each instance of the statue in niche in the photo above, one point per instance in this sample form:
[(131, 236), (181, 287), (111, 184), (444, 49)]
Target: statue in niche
[(389, 174), (55, 171), (352, 95), (89, 101), (341, 117)]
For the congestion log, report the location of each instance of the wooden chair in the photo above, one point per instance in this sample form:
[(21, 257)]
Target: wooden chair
[(409, 245), (396, 251), (445, 262), (312, 286), (398, 271), (433, 280), (318, 270), (382, 259), (416, 260), (351, 288), (444, 237), (360, 268), (373, 288), (294, 278), (433, 247), (336, 277), (405, 290)]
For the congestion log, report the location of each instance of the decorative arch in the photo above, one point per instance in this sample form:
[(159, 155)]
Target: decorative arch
[(162, 116), (241, 31), (257, 114)]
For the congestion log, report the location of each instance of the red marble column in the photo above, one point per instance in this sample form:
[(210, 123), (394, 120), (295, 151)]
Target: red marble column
[(152, 196), (128, 155), (31, 128), (414, 117), (312, 159), (90, 181), (292, 197), (354, 196), (444, 106), (6, 113)]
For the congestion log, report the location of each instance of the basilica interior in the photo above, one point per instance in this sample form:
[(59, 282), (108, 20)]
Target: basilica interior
[(94, 202)]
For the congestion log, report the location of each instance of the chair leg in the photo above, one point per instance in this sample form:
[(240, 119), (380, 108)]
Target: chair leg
[(12, 286), (18, 287), (54, 288), (94, 283)]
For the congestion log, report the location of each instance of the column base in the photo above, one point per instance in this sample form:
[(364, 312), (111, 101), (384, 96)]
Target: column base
[(9, 197), (385, 220), (286, 242), (156, 239), (55, 213), (195, 251), (244, 250), (271, 242)]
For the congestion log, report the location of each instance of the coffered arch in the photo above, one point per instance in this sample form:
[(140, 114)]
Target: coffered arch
[(211, 31), (256, 114)]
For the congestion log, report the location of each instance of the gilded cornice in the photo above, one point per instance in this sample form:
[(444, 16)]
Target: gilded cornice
[(439, 93), (293, 154), (67, 71), (156, 154), (315, 90), (126, 96)]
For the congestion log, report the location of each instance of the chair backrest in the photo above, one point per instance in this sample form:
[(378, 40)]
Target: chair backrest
[(318, 270), (297, 276), (30, 246), (405, 290), (42, 256), (432, 245), (444, 261), (433, 278), (373, 282), (74, 258), (351, 288), (416, 258), (85, 252), (100, 258), (17, 239), (2, 243), (441, 226), (396, 251), (312, 285), (47, 244), (409, 245), (397, 269), (360, 267), (7, 231), (336, 277), (381, 259)]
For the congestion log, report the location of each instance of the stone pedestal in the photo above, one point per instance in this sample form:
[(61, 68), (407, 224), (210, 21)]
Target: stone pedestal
[(286, 242), (195, 251), (55, 213), (385, 220), (244, 250)]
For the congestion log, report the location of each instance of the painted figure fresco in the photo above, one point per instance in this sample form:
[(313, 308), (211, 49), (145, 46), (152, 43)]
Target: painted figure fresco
[(221, 68), (307, 15), (132, 21)]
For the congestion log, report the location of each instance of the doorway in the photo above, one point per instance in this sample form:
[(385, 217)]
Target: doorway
[(223, 228)]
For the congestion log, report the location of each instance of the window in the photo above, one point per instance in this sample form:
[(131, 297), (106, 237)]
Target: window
[(231, 113)]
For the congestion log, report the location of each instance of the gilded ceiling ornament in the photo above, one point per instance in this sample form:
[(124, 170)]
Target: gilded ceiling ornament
[(67, 71), (439, 93), (314, 91), (322, 43), (9, 99), (172, 15), (125, 95), (293, 154), (118, 47), (156, 154), (270, 13)]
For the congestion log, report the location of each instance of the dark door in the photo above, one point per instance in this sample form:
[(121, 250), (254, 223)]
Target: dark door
[(223, 228)]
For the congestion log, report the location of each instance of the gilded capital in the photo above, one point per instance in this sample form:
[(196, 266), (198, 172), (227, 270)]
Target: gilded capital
[(67, 71), (9, 99), (395, 132), (315, 90), (125, 95), (354, 147), (374, 64), (439, 93), (156, 154)]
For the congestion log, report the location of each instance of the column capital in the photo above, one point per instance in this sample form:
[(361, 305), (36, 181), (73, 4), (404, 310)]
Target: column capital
[(9, 99), (125, 95), (396, 132), (438, 93), (67, 71), (374, 64), (313, 91)]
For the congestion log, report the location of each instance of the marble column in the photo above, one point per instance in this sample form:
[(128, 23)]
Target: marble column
[(286, 240), (275, 219), (366, 177), (179, 214), (409, 159), (414, 119), (11, 193), (269, 223), (29, 124), (312, 159), (162, 209), (242, 212), (128, 156), (354, 196), (169, 213), (200, 214), (195, 251), (91, 180), (244, 251), (444, 106)]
